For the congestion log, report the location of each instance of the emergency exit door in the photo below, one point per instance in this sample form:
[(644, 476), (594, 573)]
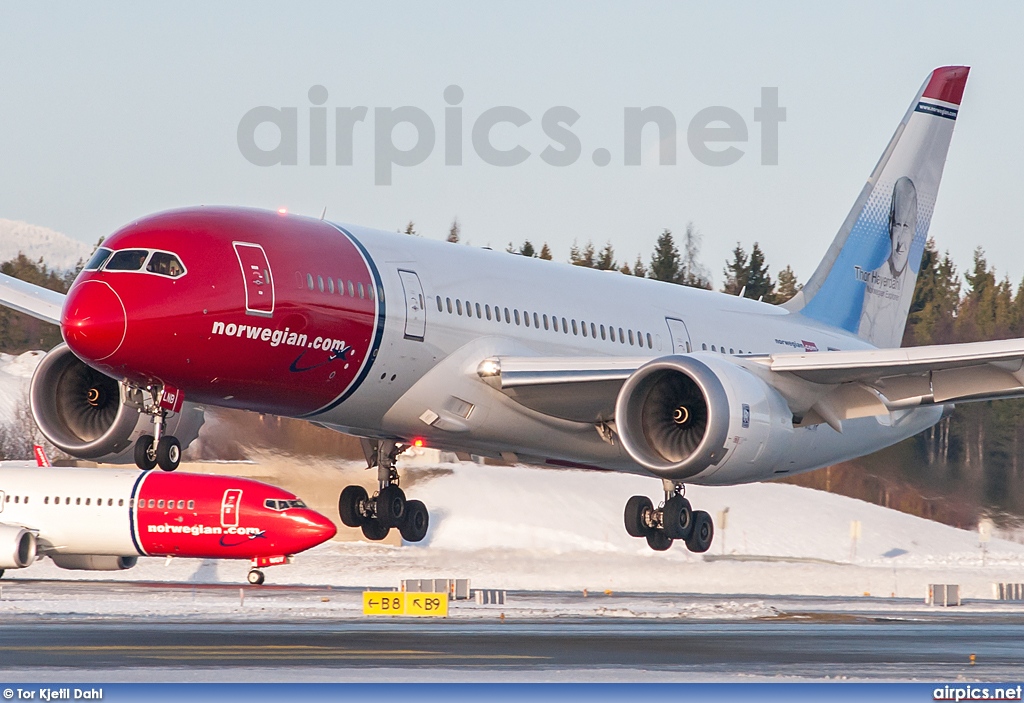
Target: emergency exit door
[(259, 281), (229, 507), (679, 336), (415, 306)]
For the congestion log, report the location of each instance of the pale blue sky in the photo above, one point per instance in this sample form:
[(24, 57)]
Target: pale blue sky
[(111, 111)]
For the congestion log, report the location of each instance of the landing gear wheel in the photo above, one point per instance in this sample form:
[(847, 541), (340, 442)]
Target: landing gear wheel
[(678, 518), (637, 509), (348, 505), (145, 455), (374, 530), (414, 526), (699, 540), (391, 506), (658, 540), (168, 453), (256, 577)]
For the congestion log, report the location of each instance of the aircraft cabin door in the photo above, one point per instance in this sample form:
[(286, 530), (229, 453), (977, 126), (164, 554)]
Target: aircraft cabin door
[(679, 336), (259, 281), (229, 507), (415, 306)]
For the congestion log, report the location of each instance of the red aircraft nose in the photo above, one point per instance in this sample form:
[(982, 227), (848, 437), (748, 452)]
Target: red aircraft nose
[(310, 528), (93, 320)]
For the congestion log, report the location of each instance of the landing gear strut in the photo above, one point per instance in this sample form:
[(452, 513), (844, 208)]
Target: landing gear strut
[(157, 449), (674, 519), (388, 507)]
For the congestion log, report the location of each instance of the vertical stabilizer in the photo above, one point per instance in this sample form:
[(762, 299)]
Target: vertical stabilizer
[(865, 283)]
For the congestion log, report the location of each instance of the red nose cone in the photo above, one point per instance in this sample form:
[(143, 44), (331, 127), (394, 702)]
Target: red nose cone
[(314, 528), (93, 321)]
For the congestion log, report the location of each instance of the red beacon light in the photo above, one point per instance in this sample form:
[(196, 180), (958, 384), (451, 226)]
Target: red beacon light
[(282, 211), (417, 442)]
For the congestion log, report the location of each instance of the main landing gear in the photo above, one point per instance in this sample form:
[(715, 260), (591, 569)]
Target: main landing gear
[(157, 449), (388, 507), (674, 519)]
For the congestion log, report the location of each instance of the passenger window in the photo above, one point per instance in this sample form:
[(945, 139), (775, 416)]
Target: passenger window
[(649, 344), (320, 283), (17, 499), (191, 505), (622, 336), (110, 502), (554, 323), (545, 322), (160, 503), (704, 347), (165, 264), (369, 291), (731, 351), (487, 311), (631, 338), (341, 287), (517, 316), (458, 306), (526, 318), (120, 502), (127, 260), (309, 281), (46, 500), (181, 505), (536, 321), (351, 290), (575, 330), (330, 286), (713, 348), (88, 501), (440, 307), (101, 255), (611, 333), (361, 295), (602, 333), (508, 317), (584, 330), (469, 309), (152, 503), (565, 326), (479, 316), (593, 330)]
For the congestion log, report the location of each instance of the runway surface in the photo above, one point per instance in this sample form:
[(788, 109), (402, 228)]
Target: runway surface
[(801, 637)]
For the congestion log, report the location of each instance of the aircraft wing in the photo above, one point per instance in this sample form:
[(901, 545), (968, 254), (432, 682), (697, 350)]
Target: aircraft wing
[(819, 387), (30, 299)]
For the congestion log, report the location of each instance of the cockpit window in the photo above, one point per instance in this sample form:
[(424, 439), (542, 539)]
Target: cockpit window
[(165, 264), (283, 504), (98, 258), (127, 260)]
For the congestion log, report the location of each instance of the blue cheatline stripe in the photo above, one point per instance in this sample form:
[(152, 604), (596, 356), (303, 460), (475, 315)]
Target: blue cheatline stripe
[(132, 524), (937, 110), (371, 356)]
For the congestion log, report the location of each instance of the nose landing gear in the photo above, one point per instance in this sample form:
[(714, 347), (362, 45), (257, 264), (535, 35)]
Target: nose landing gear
[(388, 507), (157, 449), (674, 519)]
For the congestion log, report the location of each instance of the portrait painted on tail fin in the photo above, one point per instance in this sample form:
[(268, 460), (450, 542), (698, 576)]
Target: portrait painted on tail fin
[(888, 290)]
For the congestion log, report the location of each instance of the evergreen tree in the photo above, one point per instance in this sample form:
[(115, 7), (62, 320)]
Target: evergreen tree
[(582, 257), (665, 261), (736, 271), (606, 259), (788, 286), (527, 249), (759, 284), (20, 332), (545, 252), (454, 232), (639, 270), (411, 229)]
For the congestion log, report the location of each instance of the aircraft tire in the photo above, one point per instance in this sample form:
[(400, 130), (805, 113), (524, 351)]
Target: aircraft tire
[(374, 530), (145, 457), (658, 540), (678, 518), (256, 577), (348, 506), (636, 507), (391, 506), (417, 520), (703, 532), (168, 453)]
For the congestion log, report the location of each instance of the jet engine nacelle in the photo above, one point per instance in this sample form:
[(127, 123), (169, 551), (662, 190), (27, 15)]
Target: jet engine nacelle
[(17, 547), (86, 413), (681, 416), (93, 562)]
